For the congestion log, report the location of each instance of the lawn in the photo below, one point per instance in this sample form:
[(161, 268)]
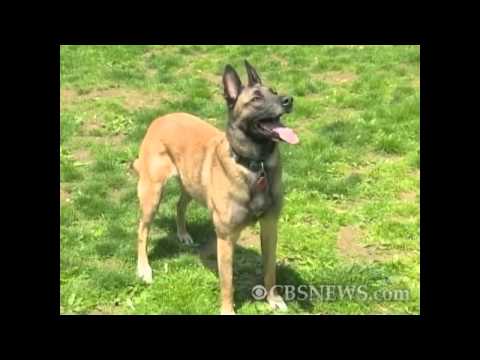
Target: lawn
[(351, 215)]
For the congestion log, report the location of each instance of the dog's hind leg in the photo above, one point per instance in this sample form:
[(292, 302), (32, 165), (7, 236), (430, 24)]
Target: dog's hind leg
[(149, 194), (150, 186), (182, 233)]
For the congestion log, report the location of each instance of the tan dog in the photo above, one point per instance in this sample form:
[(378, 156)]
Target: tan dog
[(236, 175)]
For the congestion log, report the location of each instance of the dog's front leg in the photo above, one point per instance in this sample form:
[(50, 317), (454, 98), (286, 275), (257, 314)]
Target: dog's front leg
[(268, 236), (225, 252)]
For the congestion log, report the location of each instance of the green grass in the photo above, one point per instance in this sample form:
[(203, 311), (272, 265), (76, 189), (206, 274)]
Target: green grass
[(356, 171)]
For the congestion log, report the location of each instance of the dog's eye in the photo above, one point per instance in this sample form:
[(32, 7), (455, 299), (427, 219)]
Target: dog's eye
[(256, 98)]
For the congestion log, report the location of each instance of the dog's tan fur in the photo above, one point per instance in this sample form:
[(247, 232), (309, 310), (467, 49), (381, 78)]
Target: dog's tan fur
[(186, 147)]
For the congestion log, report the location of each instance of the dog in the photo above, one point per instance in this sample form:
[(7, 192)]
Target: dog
[(236, 174)]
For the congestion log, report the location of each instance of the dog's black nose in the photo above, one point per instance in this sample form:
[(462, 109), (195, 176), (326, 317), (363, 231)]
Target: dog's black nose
[(287, 101)]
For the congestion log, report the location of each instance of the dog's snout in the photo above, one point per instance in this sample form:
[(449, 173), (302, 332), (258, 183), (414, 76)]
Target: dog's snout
[(287, 101)]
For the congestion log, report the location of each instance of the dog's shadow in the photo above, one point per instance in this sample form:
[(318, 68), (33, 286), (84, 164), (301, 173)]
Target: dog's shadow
[(248, 262)]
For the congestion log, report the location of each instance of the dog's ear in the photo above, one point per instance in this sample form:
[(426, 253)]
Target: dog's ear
[(231, 84), (253, 77)]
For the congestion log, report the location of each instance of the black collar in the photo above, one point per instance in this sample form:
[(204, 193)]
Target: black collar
[(256, 166)]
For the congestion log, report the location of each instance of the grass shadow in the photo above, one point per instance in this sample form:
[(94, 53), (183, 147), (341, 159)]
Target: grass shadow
[(248, 262), (248, 273), (169, 246)]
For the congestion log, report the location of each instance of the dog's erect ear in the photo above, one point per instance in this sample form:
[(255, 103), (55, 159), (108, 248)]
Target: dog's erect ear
[(231, 84), (253, 77)]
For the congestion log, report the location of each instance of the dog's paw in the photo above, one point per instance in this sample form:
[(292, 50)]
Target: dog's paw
[(145, 273), (185, 238), (276, 302), (227, 312)]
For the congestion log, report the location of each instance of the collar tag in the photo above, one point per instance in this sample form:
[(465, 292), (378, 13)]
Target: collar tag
[(261, 183)]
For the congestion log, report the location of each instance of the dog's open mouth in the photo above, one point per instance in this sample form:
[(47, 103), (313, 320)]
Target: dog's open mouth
[(274, 129)]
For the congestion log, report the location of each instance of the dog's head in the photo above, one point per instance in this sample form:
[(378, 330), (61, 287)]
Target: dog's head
[(256, 109)]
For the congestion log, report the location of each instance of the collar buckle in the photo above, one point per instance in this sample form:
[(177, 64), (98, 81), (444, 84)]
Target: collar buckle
[(253, 165)]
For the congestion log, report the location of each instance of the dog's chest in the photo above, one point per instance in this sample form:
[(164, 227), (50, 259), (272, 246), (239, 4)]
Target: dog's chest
[(256, 194), (260, 194), (261, 198), (252, 210)]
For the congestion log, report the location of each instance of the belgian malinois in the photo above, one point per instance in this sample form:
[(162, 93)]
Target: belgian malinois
[(236, 175)]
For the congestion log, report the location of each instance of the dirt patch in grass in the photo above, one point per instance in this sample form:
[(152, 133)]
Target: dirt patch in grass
[(159, 49), (336, 77), (151, 73), (352, 46), (111, 140), (349, 246), (416, 83), (131, 99), (91, 126), (348, 242), (117, 139), (105, 310), (408, 196), (281, 60), (212, 78), (99, 312), (82, 155), (64, 195), (112, 264), (114, 140), (91, 131), (377, 158), (68, 95)]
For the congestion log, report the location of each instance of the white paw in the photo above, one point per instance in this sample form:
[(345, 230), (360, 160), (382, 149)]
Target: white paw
[(277, 303), (227, 312), (145, 273), (185, 238)]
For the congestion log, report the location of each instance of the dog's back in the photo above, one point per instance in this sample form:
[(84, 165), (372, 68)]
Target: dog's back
[(176, 144), (194, 132)]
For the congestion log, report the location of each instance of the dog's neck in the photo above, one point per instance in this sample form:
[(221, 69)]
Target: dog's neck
[(246, 147)]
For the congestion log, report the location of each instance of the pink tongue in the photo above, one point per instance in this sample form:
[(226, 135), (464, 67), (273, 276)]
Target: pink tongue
[(287, 135)]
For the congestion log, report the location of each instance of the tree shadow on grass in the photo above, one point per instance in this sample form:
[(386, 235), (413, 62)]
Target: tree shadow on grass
[(248, 262)]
